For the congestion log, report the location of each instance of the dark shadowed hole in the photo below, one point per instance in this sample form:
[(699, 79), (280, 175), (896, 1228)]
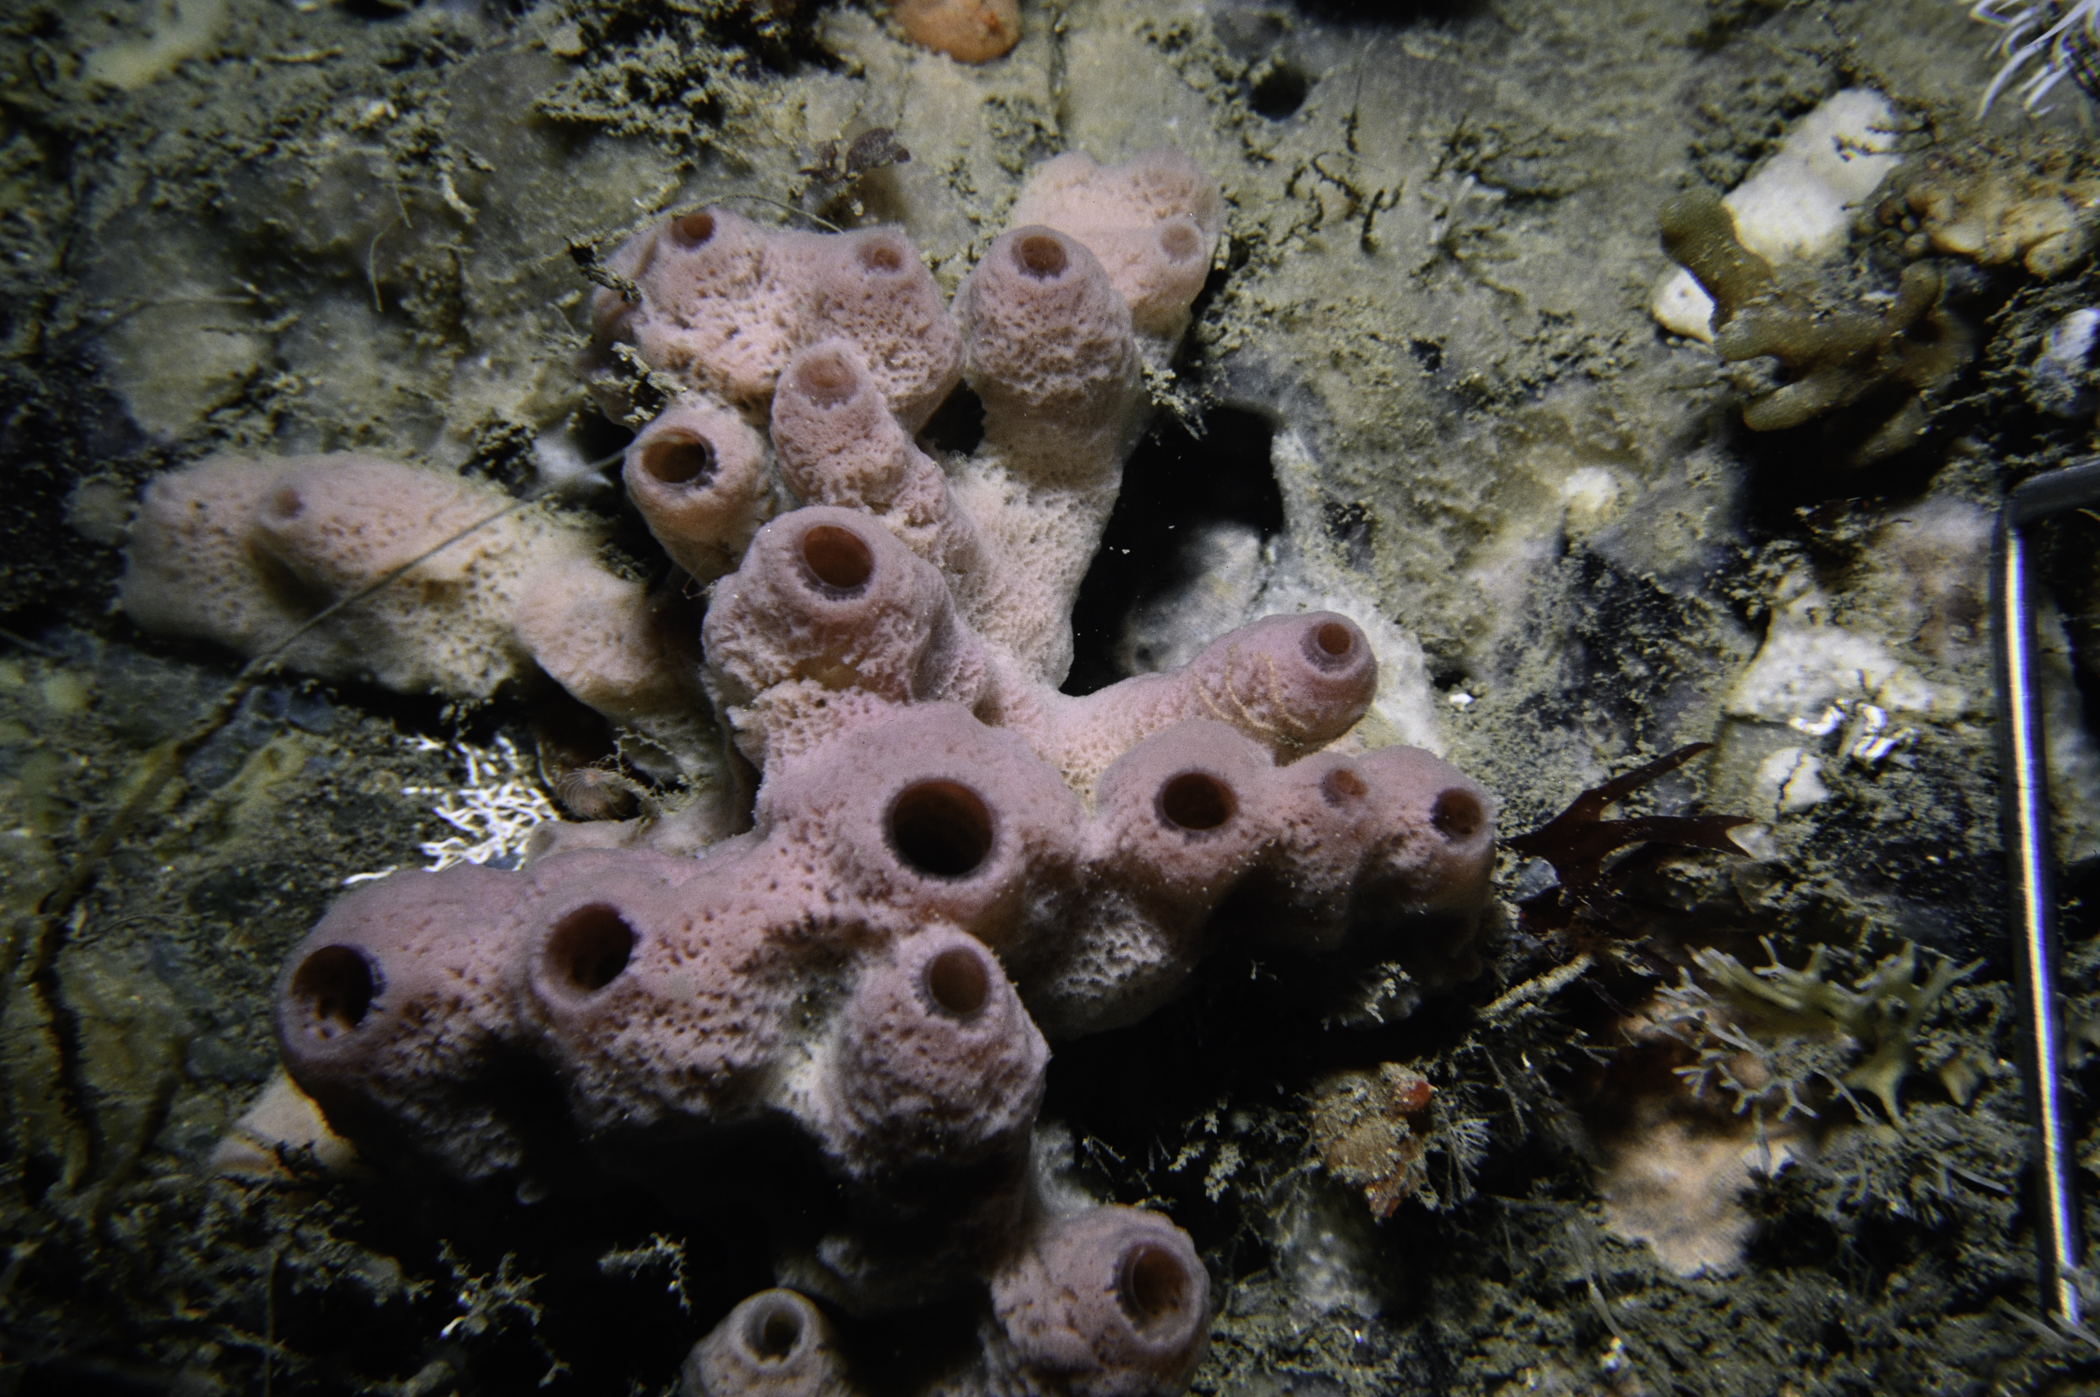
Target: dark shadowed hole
[(1040, 255), (286, 503), (1175, 482), (1457, 814), (335, 986), (694, 229), (838, 557), (1154, 1286), (956, 981), (679, 458), (956, 425), (1180, 240), (1195, 800), (590, 947), (1341, 785), (826, 379), (941, 827), (772, 1331), (1280, 93), (881, 257), (1330, 645)]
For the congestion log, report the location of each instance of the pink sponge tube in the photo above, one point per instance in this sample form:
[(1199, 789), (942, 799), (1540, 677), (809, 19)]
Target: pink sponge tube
[(1112, 1302), (775, 1344), (1325, 819), (1153, 221), (1182, 817), (840, 445), (935, 1061), (1438, 824), (870, 287), (390, 1015), (828, 595), (838, 442), (1179, 822), (1292, 683), (645, 980), (697, 474), (1049, 351), (1393, 834), (704, 280), (722, 303), (1434, 855), (938, 817)]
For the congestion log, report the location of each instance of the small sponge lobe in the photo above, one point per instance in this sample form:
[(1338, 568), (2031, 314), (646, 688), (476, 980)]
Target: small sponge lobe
[(1152, 222), (936, 1060), (698, 475), (775, 1344), (1111, 1303)]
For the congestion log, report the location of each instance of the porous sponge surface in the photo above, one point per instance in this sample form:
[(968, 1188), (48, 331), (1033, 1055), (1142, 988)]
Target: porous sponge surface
[(243, 552), (949, 863), (1151, 221), (287, 553), (836, 968)]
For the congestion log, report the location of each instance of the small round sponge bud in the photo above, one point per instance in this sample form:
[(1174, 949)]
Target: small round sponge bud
[(969, 31), (936, 1061), (1113, 1302), (775, 1344)]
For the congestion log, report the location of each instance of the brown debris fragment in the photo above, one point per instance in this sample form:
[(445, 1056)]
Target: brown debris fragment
[(1362, 1124), (873, 149), (1995, 208)]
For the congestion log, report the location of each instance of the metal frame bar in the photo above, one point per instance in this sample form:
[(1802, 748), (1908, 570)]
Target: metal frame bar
[(2023, 812)]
